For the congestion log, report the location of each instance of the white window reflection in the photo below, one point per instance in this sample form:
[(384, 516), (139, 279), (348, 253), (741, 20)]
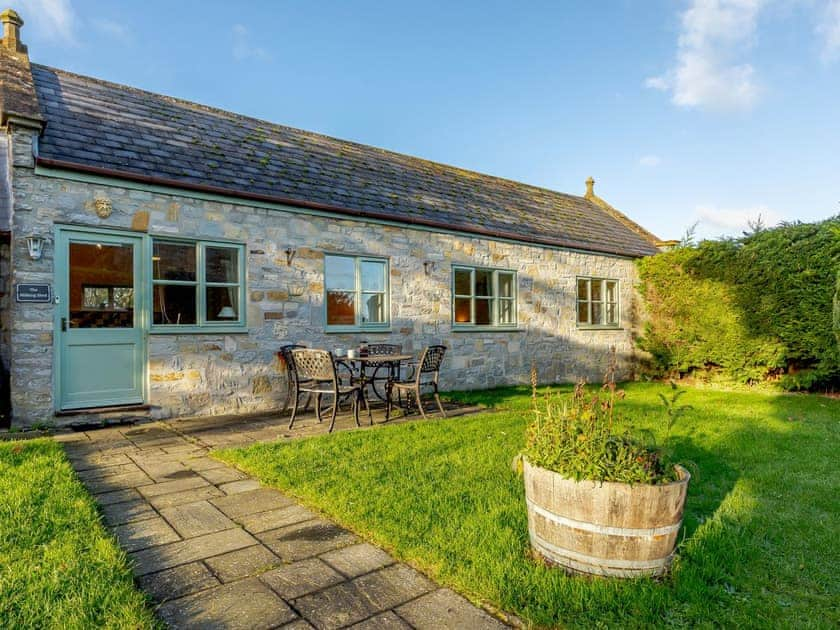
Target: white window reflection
[(356, 291)]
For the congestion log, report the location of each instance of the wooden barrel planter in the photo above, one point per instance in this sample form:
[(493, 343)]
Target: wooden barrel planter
[(604, 528)]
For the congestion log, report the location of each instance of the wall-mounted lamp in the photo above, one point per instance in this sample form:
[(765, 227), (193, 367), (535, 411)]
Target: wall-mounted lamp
[(290, 256), (35, 246), (428, 267)]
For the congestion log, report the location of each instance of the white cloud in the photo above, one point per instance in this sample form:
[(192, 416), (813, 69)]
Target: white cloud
[(54, 19), (243, 50), (112, 29), (650, 161), (657, 83), (828, 30), (709, 72), (733, 221)]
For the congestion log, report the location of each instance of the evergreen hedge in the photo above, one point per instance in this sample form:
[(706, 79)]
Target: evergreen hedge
[(837, 308), (762, 307)]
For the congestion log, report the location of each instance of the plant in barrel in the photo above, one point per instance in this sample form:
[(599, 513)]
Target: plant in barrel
[(600, 500)]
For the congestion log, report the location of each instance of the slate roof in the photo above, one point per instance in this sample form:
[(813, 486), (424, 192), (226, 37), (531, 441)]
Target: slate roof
[(94, 123)]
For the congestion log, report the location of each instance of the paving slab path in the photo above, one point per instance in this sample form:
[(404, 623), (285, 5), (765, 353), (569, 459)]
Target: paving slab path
[(214, 549)]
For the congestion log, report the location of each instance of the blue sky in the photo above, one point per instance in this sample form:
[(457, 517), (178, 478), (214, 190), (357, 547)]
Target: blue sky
[(709, 110)]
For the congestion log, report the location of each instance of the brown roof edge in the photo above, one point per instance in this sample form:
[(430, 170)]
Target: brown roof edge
[(623, 218), (313, 205)]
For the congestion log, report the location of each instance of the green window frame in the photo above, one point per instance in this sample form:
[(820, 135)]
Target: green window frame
[(357, 293), (484, 298), (598, 302), (197, 285)]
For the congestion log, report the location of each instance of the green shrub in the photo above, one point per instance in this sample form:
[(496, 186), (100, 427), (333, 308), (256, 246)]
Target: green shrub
[(752, 309), (837, 310), (578, 438)]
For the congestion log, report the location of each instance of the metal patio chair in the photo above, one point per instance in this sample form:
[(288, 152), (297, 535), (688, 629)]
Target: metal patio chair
[(317, 374), (285, 355), (382, 373), (426, 374)]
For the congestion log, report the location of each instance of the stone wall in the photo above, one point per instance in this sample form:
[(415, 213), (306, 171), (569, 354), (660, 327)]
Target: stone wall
[(215, 373), (5, 300), (5, 326)]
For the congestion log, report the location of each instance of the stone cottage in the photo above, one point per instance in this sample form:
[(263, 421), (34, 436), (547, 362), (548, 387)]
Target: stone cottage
[(156, 253)]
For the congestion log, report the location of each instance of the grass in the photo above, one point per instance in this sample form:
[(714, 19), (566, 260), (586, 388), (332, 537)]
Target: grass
[(58, 567), (759, 545)]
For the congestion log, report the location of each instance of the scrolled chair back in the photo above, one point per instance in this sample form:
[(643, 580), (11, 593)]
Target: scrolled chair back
[(316, 365), (432, 359), (285, 353), (375, 349)]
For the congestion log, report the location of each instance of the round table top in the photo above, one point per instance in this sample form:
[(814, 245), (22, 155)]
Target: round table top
[(379, 358)]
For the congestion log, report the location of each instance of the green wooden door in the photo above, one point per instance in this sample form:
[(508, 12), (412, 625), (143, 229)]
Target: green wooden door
[(100, 319)]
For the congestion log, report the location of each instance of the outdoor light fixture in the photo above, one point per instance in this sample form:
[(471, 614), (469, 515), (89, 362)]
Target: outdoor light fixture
[(428, 267), (35, 245), (290, 255)]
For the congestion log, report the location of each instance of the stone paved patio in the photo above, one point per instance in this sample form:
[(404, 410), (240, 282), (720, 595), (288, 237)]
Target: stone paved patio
[(216, 550)]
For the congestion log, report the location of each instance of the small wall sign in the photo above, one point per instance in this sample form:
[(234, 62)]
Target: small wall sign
[(33, 293)]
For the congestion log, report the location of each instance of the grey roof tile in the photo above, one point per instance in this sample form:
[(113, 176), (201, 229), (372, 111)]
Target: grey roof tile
[(99, 124)]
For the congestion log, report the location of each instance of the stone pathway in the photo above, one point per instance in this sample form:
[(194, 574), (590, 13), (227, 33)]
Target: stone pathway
[(216, 550)]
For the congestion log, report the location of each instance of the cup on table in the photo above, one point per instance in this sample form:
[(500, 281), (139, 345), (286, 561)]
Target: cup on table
[(351, 354), (340, 352)]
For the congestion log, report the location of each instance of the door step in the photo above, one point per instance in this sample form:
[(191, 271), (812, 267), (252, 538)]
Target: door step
[(97, 417), (99, 410)]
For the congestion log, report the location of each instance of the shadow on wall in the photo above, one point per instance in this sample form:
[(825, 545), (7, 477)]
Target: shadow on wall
[(5, 398), (201, 376)]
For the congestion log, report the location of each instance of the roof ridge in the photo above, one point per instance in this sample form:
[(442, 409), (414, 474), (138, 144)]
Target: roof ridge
[(218, 110)]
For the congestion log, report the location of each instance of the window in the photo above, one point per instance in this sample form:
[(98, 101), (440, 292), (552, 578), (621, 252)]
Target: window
[(96, 297), (197, 284), (483, 297), (597, 302), (356, 292)]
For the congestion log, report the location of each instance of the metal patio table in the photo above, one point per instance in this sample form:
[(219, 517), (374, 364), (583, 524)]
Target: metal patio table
[(389, 362)]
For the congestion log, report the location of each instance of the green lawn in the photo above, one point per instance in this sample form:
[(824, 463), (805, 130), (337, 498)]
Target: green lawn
[(760, 543), (58, 567)]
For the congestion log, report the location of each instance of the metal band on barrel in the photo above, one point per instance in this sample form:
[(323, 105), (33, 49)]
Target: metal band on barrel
[(603, 529), (560, 555)]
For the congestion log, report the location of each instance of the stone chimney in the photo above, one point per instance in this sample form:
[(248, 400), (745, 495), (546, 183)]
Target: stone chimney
[(18, 101), (623, 218), (11, 31)]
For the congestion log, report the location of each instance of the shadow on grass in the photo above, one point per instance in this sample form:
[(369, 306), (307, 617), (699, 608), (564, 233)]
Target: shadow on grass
[(706, 490), (758, 544), (515, 397)]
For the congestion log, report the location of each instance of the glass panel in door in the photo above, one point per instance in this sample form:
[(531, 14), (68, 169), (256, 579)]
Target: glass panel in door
[(101, 285)]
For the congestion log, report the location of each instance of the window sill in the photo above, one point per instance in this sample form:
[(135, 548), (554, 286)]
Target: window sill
[(356, 330), (486, 329), (586, 327), (197, 330)]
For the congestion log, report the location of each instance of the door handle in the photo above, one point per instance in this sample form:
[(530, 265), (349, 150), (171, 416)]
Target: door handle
[(63, 324)]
